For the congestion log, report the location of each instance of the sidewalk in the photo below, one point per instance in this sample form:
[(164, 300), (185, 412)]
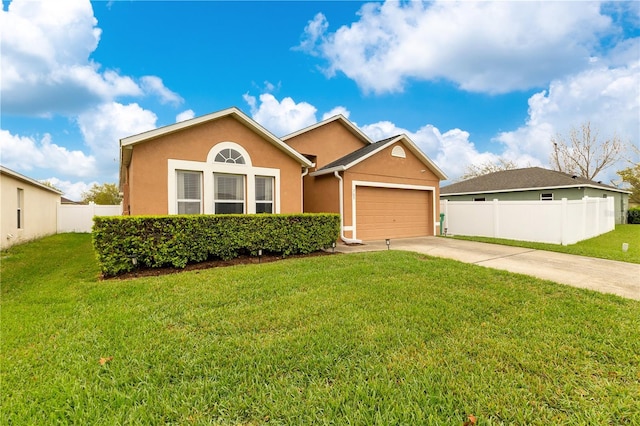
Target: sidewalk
[(606, 276)]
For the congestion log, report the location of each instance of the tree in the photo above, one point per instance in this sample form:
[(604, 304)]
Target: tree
[(631, 175), (106, 194), (583, 154), (488, 167), (50, 185)]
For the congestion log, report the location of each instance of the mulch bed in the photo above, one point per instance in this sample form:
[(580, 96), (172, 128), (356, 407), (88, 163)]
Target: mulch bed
[(208, 264)]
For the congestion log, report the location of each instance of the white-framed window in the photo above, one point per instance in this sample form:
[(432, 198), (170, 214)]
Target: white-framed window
[(249, 189), (264, 194), (228, 193), (546, 196), (189, 192), (20, 212)]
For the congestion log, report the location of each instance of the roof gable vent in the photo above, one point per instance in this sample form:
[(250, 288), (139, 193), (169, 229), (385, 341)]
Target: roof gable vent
[(398, 151)]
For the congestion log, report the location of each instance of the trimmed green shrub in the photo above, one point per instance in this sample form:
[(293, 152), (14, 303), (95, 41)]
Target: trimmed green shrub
[(633, 215), (177, 240)]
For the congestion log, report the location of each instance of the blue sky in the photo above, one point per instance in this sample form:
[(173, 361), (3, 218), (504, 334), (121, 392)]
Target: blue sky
[(469, 82)]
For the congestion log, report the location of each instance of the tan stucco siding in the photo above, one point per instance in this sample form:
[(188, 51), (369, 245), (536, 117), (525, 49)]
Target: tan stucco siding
[(385, 168), (148, 172), (387, 180), (327, 143), (39, 211), (124, 188), (321, 194)]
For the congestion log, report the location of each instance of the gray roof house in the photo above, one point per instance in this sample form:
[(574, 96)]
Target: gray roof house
[(534, 183)]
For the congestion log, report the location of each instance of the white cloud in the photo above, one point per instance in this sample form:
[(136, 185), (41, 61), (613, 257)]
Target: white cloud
[(314, 31), (49, 33), (281, 118), (185, 115), (101, 127), (71, 190), (154, 85), (452, 150), (22, 153), (492, 47), (607, 97), (104, 126), (45, 67), (335, 111)]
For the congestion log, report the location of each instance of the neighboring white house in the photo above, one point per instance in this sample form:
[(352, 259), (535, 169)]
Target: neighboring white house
[(29, 208)]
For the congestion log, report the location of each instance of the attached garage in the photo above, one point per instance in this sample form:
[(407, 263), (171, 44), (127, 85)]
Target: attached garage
[(382, 212), (386, 189)]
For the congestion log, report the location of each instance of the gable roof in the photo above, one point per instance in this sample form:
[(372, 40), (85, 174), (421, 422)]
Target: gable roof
[(340, 118), (365, 152), (25, 179), (232, 112), (527, 179)]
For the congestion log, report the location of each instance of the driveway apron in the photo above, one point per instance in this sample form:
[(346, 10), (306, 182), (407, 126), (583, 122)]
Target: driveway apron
[(606, 276)]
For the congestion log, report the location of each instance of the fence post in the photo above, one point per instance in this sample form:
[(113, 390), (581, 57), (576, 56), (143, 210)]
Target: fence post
[(611, 213), (58, 216), (584, 230), (564, 222), (496, 218), (446, 216), (598, 213)]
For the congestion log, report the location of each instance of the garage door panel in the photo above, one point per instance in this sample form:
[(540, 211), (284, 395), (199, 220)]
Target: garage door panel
[(391, 213)]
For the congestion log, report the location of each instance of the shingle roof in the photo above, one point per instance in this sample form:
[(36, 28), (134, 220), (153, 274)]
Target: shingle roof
[(363, 153), (521, 179), (355, 155)]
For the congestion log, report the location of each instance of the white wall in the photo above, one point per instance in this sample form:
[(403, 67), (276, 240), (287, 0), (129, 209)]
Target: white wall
[(558, 222), (38, 209), (79, 218)]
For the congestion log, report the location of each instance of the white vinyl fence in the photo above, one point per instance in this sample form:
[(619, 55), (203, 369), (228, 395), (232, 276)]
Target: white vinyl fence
[(79, 218), (557, 222)]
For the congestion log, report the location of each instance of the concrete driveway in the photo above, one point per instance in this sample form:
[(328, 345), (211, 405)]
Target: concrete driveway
[(606, 276)]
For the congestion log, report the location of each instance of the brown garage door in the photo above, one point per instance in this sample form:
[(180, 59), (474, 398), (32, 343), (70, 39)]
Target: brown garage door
[(392, 213)]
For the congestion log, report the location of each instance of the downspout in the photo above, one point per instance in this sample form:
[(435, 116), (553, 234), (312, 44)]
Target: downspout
[(306, 172), (342, 237)]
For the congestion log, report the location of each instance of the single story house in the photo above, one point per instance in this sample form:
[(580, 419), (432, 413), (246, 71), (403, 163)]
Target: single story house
[(29, 208), (225, 162), (535, 183)]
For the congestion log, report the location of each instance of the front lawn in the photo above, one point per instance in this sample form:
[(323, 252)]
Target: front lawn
[(373, 338), (605, 246)]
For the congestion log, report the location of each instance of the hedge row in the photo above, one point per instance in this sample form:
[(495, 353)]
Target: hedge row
[(633, 215), (159, 241)]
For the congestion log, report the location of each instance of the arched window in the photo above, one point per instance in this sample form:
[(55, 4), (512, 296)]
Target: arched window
[(229, 155), (227, 182)]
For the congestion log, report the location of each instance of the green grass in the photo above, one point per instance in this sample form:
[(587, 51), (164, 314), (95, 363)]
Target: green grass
[(605, 246), (372, 338)]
